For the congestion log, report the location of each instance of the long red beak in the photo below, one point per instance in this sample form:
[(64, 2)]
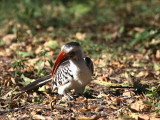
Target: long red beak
[(61, 58)]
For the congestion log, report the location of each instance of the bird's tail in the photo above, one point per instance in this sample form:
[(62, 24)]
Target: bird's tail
[(37, 83)]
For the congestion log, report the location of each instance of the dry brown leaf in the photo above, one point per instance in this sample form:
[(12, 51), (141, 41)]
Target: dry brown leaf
[(113, 107), (97, 109), (14, 46), (80, 36), (128, 93), (13, 80), (39, 49), (154, 118), (8, 38), (139, 106), (4, 117), (5, 53), (38, 117), (96, 62), (82, 99), (143, 117), (31, 62), (33, 112), (83, 109), (50, 29), (158, 54), (141, 74), (94, 117), (138, 29), (149, 74), (29, 68)]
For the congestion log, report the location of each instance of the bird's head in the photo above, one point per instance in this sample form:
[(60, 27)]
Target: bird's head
[(69, 51)]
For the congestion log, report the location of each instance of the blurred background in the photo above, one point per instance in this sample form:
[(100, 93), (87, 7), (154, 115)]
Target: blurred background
[(122, 37), (108, 30), (91, 22)]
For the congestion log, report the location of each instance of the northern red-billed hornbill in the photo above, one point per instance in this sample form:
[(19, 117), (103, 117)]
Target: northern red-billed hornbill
[(72, 70)]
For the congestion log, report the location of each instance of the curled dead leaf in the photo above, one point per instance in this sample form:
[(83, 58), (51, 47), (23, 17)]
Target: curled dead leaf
[(139, 106)]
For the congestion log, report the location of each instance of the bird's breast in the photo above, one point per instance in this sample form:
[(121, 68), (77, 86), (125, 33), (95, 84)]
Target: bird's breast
[(81, 73)]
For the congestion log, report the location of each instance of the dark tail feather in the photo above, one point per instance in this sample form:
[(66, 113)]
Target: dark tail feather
[(39, 82)]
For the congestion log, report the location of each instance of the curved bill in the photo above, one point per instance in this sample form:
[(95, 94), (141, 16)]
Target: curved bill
[(60, 59)]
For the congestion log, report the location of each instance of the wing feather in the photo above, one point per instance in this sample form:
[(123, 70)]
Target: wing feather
[(63, 74), (89, 63)]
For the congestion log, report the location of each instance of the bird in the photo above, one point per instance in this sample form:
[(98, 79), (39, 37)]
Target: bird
[(72, 70)]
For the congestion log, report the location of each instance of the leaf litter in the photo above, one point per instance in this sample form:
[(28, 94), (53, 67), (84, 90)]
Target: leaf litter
[(100, 102), (125, 83)]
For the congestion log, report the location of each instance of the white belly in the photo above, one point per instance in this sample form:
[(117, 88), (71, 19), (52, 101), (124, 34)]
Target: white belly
[(81, 75)]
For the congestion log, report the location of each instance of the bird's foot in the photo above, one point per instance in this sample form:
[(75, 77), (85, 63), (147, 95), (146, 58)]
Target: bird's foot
[(68, 97)]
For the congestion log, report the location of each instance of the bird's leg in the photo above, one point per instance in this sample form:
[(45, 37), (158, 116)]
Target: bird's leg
[(69, 97), (53, 87), (63, 91)]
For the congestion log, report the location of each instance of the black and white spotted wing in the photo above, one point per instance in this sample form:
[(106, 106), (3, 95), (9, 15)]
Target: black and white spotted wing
[(63, 75)]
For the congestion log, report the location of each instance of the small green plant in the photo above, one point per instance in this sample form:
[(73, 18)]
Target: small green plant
[(153, 92), (25, 54), (41, 63), (144, 36), (19, 65), (2, 43), (26, 80)]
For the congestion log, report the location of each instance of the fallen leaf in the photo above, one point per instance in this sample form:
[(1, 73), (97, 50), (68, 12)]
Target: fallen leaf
[(113, 107), (128, 93), (139, 106), (158, 54), (83, 109), (81, 99), (80, 36), (4, 117), (143, 117), (141, 74), (38, 117), (94, 117), (8, 38)]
